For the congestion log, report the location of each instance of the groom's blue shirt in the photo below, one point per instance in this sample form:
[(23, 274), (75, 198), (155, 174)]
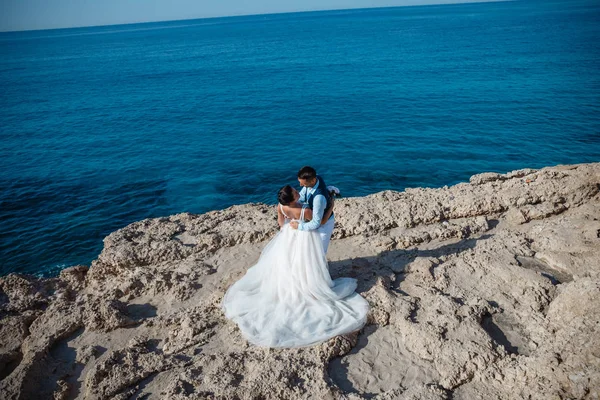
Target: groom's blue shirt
[(319, 205)]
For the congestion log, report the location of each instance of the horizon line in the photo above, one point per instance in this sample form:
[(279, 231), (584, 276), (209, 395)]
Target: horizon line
[(259, 14)]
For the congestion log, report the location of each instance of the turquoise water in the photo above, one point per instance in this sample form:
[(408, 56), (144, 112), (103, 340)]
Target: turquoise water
[(104, 126)]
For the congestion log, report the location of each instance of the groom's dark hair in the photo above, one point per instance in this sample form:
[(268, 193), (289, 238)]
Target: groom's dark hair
[(307, 173), (285, 195)]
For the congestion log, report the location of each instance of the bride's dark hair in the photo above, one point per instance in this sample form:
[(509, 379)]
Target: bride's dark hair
[(285, 195)]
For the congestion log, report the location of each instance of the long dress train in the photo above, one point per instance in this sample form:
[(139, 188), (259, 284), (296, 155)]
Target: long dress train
[(288, 299)]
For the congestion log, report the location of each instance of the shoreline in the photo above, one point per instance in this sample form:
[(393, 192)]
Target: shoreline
[(63, 265), (486, 289)]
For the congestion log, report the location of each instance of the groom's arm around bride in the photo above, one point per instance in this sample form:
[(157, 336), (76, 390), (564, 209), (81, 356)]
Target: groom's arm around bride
[(314, 195)]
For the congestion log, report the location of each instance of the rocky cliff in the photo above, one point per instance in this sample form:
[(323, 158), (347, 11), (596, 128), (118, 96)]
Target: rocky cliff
[(483, 290)]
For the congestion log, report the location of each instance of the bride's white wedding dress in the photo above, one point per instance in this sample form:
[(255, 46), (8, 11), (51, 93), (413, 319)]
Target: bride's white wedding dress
[(288, 299)]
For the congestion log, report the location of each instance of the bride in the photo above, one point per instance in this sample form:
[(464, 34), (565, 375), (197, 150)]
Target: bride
[(288, 299)]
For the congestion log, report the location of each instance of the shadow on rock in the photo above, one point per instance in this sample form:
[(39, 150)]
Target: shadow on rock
[(389, 269), (338, 368), (139, 312), (392, 263)]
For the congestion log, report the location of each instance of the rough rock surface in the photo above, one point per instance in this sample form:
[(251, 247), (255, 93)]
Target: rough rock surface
[(483, 290)]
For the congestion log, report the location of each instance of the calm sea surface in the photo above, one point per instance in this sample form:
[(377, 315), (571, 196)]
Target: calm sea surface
[(100, 127)]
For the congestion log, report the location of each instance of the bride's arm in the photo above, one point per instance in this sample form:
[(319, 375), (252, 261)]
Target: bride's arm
[(280, 217)]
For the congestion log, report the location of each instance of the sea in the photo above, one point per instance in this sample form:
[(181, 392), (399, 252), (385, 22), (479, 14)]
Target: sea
[(104, 126)]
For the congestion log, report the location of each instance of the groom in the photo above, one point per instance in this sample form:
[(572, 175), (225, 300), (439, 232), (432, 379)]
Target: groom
[(314, 195)]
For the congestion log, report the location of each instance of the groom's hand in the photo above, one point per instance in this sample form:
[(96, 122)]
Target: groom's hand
[(294, 224)]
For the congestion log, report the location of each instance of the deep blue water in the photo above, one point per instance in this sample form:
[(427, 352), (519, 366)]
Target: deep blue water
[(104, 126)]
